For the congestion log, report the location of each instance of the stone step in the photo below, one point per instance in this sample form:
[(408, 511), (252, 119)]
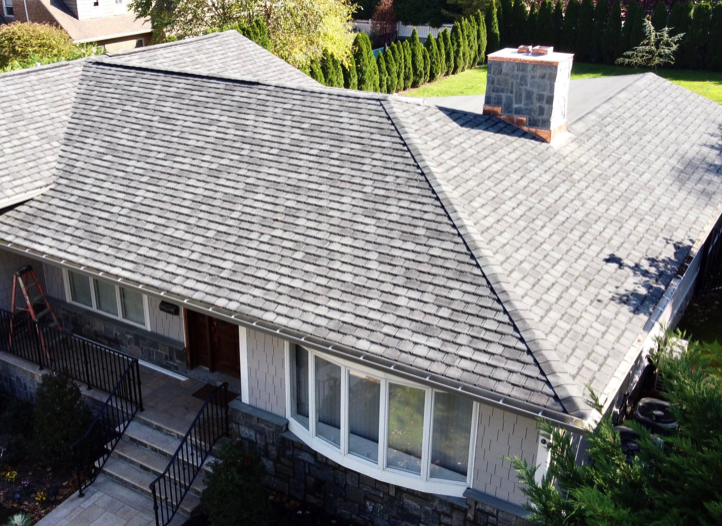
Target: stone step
[(153, 463), (139, 480)]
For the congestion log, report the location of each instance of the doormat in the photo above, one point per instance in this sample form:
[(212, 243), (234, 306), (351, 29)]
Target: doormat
[(205, 391)]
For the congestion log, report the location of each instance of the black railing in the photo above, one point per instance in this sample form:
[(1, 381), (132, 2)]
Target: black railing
[(93, 449), (170, 487), (83, 360)]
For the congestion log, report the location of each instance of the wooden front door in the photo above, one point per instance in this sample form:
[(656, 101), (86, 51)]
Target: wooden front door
[(212, 343)]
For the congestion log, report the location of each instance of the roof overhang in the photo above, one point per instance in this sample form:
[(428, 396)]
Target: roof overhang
[(10, 201)]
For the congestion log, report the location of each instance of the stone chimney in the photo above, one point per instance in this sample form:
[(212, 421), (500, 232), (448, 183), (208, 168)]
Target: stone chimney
[(529, 88)]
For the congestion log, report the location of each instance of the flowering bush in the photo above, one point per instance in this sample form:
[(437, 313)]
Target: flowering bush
[(41, 497), (11, 477)]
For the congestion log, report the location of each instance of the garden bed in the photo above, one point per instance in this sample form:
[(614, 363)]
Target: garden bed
[(26, 484)]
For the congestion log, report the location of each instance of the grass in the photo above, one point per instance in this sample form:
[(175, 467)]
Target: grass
[(473, 81)]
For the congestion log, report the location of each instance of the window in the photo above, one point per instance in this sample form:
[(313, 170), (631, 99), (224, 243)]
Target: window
[(381, 425), (8, 5), (113, 300)]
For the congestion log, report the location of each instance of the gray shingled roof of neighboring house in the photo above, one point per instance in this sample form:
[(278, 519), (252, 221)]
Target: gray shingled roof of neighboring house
[(299, 207), (228, 53), (36, 109), (589, 234)]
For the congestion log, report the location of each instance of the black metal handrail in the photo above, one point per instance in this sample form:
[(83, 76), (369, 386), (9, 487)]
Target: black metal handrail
[(92, 450), (170, 487), (79, 358)]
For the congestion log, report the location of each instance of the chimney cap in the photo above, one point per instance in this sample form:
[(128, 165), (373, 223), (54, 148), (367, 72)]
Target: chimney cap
[(535, 54)]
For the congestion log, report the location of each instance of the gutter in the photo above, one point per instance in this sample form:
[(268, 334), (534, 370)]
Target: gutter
[(562, 420)]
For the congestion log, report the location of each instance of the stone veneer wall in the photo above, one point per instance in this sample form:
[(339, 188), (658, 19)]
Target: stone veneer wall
[(296, 470), (123, 337), (533, 91)]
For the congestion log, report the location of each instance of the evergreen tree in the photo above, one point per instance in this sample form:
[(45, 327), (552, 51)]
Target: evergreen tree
[(392, 75), (657, 49), (505, 22), (427, 64), (383, 75), (558, 24), (601, 14), (331, 69), (457, 46), (417, 59), (714, 50), (400, 65), (366, 69), (492, 28), (680, 22), (544, 35), (350, 80), (531, 23), (440, 48), (699, 36), (449, 49), (569, 29), (471, 48), (518, 24), (637, 18), (612, 32), (430, 47), (481, 38), (585, 31), (408, 67), (628, 24), (659, 18), (316, 72)]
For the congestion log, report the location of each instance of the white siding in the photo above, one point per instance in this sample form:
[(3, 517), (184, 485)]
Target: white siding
[(9, 263), (502, 434), (163, 323), (266, 376)]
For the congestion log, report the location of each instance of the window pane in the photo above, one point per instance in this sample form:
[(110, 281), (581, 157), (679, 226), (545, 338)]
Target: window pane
[(406, 428), (451, 436), (328, 401), (105, 298), (299, 389), (364, 396), (80, 288), (132, 303)]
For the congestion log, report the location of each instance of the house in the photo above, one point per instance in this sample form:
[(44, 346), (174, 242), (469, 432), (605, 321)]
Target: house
[(397, 291), (108, 23)]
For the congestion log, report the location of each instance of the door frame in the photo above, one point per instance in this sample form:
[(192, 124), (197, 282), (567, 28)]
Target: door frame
[(191, 361)]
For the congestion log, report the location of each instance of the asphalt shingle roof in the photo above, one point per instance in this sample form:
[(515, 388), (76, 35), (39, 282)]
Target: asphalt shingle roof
[(34, 114), (303, 208)]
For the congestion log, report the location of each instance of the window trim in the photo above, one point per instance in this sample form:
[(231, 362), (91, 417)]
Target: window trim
[(379, 470), (5, 9), (93, 299)]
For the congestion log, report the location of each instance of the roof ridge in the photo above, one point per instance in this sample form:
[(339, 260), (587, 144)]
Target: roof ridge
[(543, 352), (45, 67), (342, 92)]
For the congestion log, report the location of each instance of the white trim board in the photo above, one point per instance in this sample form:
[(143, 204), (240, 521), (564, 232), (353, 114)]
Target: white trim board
[(160, 369)]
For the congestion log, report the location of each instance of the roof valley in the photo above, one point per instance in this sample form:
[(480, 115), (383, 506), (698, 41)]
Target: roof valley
[(543, 352)]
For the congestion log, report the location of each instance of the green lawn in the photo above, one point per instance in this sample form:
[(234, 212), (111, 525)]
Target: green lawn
[(473, 81)]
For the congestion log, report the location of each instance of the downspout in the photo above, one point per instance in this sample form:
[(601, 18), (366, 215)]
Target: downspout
[(27, 15)]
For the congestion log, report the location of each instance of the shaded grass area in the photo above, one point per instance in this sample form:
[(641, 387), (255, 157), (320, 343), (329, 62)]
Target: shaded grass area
[(473, 81), (702, 321)]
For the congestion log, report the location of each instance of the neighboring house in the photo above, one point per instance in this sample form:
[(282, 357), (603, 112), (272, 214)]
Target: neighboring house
[(401, 288), (108, 23)]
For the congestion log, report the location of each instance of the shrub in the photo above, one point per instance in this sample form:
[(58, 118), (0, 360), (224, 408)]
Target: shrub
[(558, 23), (417, 59), (601, 14), (430, 46), (366, 69), (457, 43), (408, 69), (506, 21), (714, 50), (23, 44), (699, 36), (568, 37), (636, 33), (531, 23), (492, 27), (350, 80), (659, 18), (383, 75), (400, 63), (257, 31), (61, 418), (610, 44), (585, 31), (680, 21), (544, 34), (393, 76), (18, 418), (315, 71), (448, 51), (12, 449), (233, 493), (481, 38), (518, 23)]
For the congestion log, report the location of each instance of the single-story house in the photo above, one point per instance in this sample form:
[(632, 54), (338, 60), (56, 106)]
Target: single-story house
[(406, 288)]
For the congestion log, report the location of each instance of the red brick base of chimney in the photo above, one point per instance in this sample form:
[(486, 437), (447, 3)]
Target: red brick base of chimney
[(520, 122)]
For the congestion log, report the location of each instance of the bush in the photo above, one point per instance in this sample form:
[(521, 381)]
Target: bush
[(531, 22), (518, 23), (366, 69), (699, 36), (544, 33), (558, 23), (61, 418), (408, 68), (481, 38), (12, 449), (393, 75), (315, 71), (233, 494), (601, 14), (383, 75), (18, 418), (350, 80), (680, 21), (417, 59), (433, 51), (448, 51), (331, 68), (611, 42), (457, 45), (568, 37), (23, 44), (585, 31), (659, 18), (714, 51), (492, 27), (257, 31), (506, 22)]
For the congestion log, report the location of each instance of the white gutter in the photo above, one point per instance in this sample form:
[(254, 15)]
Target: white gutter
[(10, 201), (562, 420)]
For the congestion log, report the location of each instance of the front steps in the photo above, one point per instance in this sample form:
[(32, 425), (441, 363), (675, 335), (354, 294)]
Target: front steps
[(143, 453)]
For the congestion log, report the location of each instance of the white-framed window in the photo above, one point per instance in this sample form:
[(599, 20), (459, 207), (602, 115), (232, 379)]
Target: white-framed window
[(107, 298), (386, 427), (8, 8)]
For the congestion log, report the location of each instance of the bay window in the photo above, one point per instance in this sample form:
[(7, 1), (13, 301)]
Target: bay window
[(380, 425), (107, 298)]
